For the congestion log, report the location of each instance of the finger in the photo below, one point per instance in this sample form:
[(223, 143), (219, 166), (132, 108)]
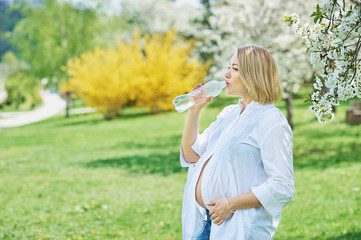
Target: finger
[(197, 86), (218, 221), (215, 216), (211, 203), (211, 213)]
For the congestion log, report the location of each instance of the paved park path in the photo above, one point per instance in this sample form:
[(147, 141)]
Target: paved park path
[(53, 104)]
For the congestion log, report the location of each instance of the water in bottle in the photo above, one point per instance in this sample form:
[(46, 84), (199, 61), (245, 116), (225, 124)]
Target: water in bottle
[(212, 88)]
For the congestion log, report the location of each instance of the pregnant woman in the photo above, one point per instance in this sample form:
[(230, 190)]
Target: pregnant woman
[(240, 175)]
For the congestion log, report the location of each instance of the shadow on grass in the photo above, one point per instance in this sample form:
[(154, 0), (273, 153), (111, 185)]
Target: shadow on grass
[(133, 114), (95, 118), (319, 160), (324, 148), (163, 143), (347, 236), (80, 122), (79, 119), (164, 164)]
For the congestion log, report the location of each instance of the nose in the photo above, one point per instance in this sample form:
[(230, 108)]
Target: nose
[(227, 74)]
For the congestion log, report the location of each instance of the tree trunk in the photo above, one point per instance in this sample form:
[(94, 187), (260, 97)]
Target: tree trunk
[(289, 107), (67, 111), (69, 103), (111, 113)]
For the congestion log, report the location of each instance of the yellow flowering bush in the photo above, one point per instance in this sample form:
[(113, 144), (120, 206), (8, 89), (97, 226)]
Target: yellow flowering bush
[(148, 72)]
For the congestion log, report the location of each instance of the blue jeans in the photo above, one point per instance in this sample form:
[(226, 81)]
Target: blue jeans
[(207, 230)]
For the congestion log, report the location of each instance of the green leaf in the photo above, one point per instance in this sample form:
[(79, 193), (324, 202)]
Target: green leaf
[(316, 19), (287, 19), (307, 99)]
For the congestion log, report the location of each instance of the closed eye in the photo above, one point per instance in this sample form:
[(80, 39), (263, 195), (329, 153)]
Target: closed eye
[(233, 68)]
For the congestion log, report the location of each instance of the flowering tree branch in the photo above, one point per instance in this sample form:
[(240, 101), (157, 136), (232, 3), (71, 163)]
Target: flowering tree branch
[(333, 44)]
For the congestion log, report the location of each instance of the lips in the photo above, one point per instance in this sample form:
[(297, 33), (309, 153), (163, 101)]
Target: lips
[(227, 83)]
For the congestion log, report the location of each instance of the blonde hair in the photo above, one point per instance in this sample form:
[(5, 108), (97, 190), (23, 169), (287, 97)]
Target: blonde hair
[(258, 73)]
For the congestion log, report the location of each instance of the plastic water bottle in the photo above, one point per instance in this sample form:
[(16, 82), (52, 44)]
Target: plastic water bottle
[(212, 88)]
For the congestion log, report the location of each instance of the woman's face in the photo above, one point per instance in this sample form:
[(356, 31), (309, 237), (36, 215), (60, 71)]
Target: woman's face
[(235, 86)]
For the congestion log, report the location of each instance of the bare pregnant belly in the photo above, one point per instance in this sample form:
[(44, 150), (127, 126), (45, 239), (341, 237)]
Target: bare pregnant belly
[(199, 187)]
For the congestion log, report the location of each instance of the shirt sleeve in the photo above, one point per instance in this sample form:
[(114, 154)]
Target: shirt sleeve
[(200, 145), (276, 153)]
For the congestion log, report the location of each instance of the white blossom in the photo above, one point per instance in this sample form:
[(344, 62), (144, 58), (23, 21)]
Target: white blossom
[(158, 16), (334, 47), (240, 22)]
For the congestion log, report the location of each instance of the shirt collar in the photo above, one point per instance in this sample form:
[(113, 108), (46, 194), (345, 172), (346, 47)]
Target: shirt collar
[(252, 104)]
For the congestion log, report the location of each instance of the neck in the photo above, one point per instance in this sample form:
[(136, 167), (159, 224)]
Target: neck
[(246, 100)]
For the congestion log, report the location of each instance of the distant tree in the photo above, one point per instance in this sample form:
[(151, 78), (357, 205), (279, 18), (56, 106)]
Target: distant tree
[(11, 64), (22, 96), (52, 33), (8, 19), (159, 16), (147, 72)]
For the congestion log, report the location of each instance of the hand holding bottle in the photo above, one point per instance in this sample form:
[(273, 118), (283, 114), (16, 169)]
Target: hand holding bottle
[(200, 96), (199, 100)]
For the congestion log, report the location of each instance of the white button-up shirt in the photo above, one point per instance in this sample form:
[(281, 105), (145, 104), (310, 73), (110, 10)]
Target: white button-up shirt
[(248, 151)]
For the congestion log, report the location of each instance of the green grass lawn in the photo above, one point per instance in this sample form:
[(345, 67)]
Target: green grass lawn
[(87, 178)]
